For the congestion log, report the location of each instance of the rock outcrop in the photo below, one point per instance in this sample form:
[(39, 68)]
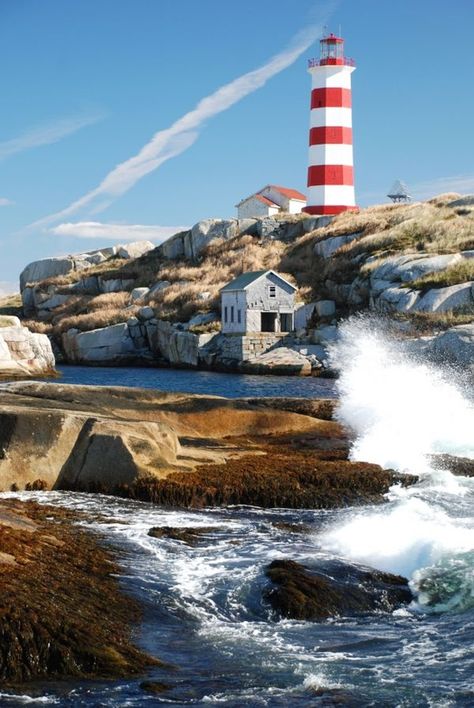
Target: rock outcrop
[(455, 345), (332, 589), (23, 353), (391, 260), (179, 449), (63, 612)]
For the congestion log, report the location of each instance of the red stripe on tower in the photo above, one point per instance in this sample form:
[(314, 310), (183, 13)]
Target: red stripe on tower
[(331, 135), (331, 98), (330, 169), (330, 174)]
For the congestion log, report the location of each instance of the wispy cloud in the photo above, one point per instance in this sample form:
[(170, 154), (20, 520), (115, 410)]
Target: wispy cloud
[(5, 202), (118, 232), (173, 141), (47, 133), (463, 184)]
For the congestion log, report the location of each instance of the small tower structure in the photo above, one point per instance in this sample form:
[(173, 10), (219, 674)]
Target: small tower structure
[(399, 192), (330, 171)]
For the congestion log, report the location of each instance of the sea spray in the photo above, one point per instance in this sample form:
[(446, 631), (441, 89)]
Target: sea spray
[(401, 411)]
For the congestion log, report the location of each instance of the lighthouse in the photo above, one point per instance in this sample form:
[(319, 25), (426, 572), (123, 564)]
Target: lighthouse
[(331, 163)]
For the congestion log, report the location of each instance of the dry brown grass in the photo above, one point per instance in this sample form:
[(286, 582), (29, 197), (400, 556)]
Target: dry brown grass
[(428, 323), (220, 263), (462, 272), (38, 326), (86, 313)]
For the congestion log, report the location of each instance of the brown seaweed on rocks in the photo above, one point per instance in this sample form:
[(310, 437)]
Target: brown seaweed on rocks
[(62, 611)]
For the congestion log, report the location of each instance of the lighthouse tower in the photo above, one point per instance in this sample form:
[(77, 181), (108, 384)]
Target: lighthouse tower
[(330, 171)]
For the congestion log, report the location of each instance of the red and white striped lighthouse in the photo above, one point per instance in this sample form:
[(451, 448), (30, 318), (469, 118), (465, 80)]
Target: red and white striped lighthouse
[(331, 165)]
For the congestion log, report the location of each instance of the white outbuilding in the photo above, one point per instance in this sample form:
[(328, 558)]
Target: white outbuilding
[(260, 301), (271, 200)]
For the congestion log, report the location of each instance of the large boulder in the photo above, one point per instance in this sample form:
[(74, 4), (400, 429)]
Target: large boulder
[(173, 247), (408, 267), (453, 297), (134, 249), (333, 589), (71, 451), (455, 345), (279, 361), (202, 233), (111, 453), (327, 247), (400, 299), (45, 268), (23, 353), (107, 345), (178, 347)]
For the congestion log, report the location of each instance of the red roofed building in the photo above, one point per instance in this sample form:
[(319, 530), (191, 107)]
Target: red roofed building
[(271, 200)]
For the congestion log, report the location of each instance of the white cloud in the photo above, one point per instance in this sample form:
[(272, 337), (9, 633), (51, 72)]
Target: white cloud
[(118, 232), (47, 133), (174, 140), (5, 202)]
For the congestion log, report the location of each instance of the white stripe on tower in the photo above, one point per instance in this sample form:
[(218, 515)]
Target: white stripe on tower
[(330, 171)]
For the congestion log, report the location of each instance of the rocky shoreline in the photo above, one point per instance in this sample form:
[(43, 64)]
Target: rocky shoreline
[(63, 612), (182, 450), (177, 451)]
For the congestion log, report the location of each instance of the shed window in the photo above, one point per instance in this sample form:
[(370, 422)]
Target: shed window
[(239, 316), (272, 291), (232, 313), (225, 315)]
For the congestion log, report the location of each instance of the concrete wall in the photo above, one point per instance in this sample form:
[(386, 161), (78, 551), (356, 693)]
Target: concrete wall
[(236, 303), (249, 346)]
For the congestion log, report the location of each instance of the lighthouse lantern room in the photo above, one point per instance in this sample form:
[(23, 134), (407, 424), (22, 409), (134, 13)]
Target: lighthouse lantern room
[(331, 171)]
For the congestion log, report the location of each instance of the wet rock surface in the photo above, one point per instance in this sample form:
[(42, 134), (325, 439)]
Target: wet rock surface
[(285, 476), (190, 535), (62, 612), (333, 589), (459, 466)]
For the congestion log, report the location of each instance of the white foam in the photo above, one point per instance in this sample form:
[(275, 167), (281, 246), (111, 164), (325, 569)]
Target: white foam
[(400, 409), (401, 412)]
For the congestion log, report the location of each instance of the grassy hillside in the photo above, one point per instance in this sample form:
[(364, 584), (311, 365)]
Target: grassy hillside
[(430, 227)]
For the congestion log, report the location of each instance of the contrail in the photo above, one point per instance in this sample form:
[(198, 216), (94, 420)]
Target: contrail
[(174, 140)]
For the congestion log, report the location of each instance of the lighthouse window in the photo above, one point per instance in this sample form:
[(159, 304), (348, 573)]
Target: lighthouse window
[(272, 291)]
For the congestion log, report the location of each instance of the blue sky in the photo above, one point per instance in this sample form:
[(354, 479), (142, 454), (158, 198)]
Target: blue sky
[(87, 84)]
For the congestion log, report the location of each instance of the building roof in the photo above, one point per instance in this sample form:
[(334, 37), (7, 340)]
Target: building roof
[(263, 199), (290, 193), (245, 279)]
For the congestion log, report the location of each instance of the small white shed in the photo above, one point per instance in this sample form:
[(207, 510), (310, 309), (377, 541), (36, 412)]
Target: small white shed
[(259, 301), (271, 200)]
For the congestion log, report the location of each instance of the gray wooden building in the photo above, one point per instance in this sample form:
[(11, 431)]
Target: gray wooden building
[(261, 301)]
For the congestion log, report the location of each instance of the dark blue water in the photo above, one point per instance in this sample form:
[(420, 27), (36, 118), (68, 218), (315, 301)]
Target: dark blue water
[(201, 382), (204, 613)]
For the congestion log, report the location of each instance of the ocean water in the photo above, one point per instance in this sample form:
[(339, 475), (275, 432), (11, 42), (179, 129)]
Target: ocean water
[(200, 382), (203, 608)]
